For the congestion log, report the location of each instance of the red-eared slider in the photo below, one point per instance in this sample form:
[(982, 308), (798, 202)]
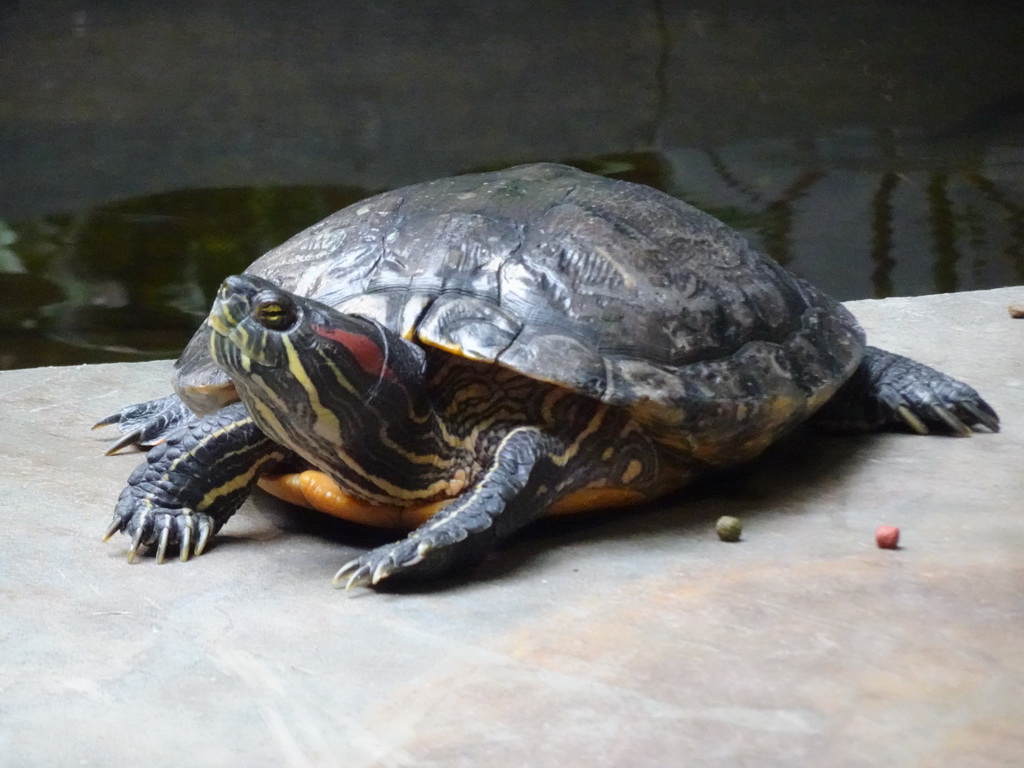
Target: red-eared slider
[(468, 354)]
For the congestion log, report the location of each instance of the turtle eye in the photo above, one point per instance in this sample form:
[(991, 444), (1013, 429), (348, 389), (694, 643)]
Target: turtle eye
[(275, 315)]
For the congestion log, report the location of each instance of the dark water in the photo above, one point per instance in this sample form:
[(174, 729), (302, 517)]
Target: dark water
[(148, 151), (132, 279)]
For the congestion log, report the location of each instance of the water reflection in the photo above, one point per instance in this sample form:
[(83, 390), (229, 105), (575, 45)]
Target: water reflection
[(865, 218)]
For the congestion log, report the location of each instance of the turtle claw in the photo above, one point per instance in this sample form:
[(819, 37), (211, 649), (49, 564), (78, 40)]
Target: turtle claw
[(954, 423), (421, 551), (161, 548), (911, 420), (146, 424), (359, 575), (116, 526), (137, 543), (384, 569), (413, 555), (132, 438), (184, 549), (205, 529), (107, 420), (365, 571), (983, 414), (165, 528)]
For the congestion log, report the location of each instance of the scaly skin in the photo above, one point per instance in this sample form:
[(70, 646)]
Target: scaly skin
[(146, 424), (192, 482), (516, 490), (889, 391)]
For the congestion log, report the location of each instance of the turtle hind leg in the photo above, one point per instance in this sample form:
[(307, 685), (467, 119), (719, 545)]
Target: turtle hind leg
[(889, 391)]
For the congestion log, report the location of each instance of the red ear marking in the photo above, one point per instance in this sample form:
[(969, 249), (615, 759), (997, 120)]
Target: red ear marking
[(366, 353)]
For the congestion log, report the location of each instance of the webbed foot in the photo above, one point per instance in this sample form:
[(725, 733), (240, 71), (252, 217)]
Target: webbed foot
[(148, 524), (150, 510), (191, 483), (377, 564)]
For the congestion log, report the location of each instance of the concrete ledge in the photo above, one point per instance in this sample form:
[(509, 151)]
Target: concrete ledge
[(634, 639)]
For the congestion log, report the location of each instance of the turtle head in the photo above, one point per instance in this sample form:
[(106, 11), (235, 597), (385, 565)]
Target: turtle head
[(297, 360)]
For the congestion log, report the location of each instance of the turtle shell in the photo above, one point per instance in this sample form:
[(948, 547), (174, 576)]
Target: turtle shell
[(610, 289)]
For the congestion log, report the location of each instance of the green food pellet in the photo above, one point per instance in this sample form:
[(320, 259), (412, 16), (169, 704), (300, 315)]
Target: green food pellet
[(729, 528)]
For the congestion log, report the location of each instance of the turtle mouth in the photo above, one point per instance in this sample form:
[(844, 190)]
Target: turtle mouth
[(232, 305), (221, 320)]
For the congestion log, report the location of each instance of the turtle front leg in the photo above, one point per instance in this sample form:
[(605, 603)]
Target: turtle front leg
[(192, 482), (891, 391), (515, 490)]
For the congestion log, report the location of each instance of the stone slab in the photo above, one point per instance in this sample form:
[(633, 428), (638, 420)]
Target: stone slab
[(629, 639)]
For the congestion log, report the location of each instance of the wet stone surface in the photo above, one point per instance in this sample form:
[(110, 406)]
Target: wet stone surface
[(633, 639)]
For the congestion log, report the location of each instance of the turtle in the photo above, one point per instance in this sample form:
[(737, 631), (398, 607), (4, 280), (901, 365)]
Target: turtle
[(460, 357)]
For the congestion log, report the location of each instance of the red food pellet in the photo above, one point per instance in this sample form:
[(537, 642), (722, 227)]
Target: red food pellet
[(887, 537)]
